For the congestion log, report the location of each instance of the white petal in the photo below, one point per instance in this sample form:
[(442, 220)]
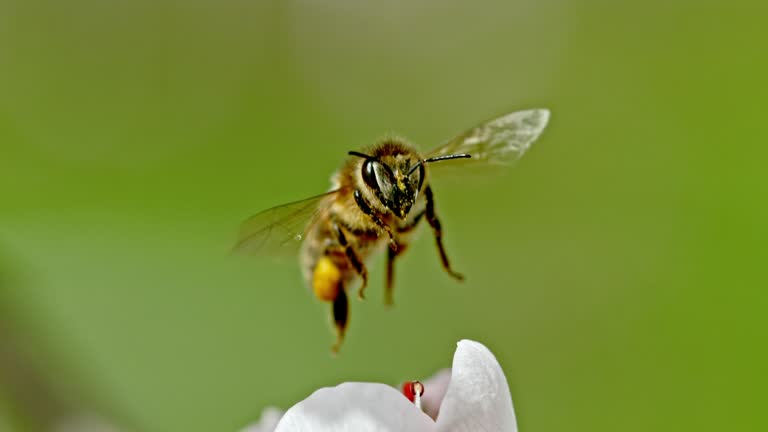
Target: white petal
[(434, 392), (354, 407), (478, 396), (268, 421)]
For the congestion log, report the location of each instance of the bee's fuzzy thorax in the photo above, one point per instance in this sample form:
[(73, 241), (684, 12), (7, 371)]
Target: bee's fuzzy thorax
[(392, 146)]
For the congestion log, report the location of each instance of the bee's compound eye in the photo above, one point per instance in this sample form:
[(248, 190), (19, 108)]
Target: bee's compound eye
[(369, 174), (420, 175), (379, 178)]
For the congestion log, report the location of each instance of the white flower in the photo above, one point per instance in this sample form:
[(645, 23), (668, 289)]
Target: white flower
[(438, 386), (270, 417), (477, 399)]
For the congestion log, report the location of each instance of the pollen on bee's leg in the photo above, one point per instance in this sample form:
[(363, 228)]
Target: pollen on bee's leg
[(326, 280), (414, 390)]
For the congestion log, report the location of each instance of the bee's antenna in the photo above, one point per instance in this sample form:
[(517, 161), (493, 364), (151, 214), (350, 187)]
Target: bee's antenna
[(438, 159), (448, 157)]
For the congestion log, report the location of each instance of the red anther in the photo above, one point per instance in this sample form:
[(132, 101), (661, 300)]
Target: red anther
[(408, 390), (412, 388)]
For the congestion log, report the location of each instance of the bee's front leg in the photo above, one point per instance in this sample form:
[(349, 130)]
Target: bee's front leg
[(434, 222), (368, 211), (357, 264), (394, 253)]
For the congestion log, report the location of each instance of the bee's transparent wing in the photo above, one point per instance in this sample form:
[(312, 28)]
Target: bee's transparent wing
[(496, 142), (279, 231)]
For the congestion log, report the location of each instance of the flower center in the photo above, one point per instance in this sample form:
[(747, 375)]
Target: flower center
[(413, 390)]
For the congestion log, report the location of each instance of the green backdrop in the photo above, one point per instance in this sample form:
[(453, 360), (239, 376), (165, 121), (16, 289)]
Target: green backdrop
[(617, 271)]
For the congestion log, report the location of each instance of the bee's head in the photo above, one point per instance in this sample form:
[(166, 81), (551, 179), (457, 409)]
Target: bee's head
[(395, 174), (395, 180)]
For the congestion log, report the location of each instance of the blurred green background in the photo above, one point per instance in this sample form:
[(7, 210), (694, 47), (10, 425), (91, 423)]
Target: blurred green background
[(617, 272)]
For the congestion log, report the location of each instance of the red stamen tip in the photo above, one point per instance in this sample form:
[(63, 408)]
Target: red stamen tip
[(412, 388)]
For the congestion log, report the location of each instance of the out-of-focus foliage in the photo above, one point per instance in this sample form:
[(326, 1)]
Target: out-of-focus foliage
[(616, 271)]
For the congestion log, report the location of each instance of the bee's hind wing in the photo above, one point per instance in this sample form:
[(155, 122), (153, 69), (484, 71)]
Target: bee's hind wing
[(279, 231)]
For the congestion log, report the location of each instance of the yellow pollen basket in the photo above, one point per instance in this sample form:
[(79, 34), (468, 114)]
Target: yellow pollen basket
[(326, 280)]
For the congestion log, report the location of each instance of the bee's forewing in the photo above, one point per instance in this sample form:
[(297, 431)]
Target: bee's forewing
[(279, 231), (498, 141)]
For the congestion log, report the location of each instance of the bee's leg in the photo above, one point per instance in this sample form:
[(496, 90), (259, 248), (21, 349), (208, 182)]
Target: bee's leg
[(393, 254), (340, 310), (434, 222), (358, 265), (366, 208), (328, 286), (390, 282)]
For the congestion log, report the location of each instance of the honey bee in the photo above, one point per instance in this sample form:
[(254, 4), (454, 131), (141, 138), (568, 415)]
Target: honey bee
[(377, 199)]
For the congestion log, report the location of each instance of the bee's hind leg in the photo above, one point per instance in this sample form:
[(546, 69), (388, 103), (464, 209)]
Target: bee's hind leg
[(390, 282), (340, 309), (354, 260), (329, 287)]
